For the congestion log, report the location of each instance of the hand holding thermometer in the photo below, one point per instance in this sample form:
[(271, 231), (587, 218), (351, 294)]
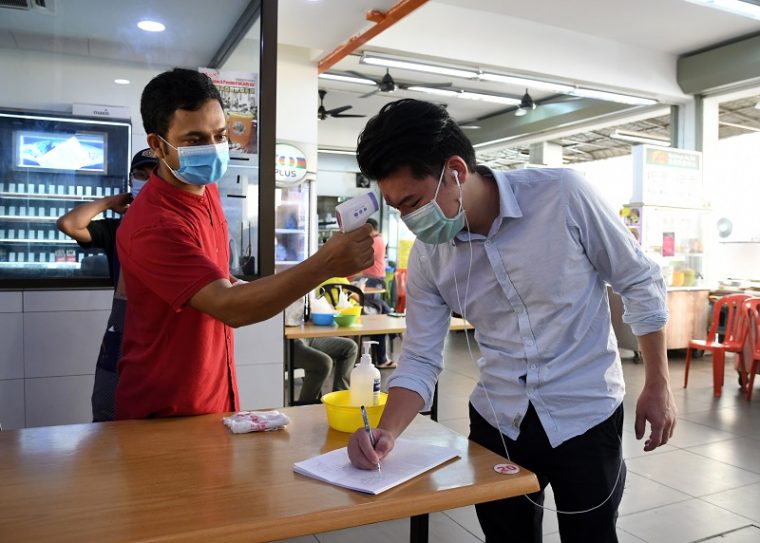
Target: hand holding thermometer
[(353, 213), (369, 432)]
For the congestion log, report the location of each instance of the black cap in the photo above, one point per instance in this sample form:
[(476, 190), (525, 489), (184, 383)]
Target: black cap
[(143, 158)]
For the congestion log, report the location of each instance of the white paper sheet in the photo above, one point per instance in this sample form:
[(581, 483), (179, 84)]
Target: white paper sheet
[(407, 460)]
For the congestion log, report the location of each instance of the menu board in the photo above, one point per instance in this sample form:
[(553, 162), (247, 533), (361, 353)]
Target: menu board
[(239, 99), (667, 177)]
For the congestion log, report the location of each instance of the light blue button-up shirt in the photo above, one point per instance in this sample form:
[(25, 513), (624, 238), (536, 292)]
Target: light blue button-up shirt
[(537, 298)]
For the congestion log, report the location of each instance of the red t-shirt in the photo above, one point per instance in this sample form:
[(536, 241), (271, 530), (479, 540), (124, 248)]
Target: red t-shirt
[(377, 269), (175, 360)]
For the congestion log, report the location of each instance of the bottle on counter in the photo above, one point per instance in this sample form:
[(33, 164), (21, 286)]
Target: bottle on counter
[(365, 380)]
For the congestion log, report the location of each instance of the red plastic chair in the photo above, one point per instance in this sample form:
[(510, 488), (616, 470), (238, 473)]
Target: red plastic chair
[(752, 341), (732, 341), (399, 277)]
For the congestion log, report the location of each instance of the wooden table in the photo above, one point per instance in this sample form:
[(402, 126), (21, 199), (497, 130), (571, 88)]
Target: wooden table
[(370, 325), (189, 479)]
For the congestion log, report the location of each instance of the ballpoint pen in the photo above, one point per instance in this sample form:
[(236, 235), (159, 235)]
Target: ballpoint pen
[(369, 433)]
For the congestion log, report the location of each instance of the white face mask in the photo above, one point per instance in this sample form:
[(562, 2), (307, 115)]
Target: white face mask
[(430, 224)]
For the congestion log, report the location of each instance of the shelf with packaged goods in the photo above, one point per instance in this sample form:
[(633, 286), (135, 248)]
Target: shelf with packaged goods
[(39, 241), (47, 197), (41, 265)]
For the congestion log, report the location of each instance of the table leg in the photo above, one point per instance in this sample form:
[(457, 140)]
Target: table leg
[(289, 357), (418, 529)]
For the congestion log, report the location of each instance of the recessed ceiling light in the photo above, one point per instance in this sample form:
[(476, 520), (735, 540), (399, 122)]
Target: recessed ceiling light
[(151, 26), (122, 81)]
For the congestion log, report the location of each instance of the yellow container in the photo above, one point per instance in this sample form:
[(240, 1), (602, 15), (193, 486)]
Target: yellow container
[(354, 310), (344, 417)]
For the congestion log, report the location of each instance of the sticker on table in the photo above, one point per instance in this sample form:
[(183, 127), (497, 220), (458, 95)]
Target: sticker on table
[(506, 469)]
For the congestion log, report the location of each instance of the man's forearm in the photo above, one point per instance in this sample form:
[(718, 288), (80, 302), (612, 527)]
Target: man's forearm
[(401, 408), (78, 218), (262, 299), (655, 357)]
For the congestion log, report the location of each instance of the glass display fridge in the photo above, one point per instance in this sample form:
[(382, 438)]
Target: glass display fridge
[(292, 230), (239, 193), (48, 165)]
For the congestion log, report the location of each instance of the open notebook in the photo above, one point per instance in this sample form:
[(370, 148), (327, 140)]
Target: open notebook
[(407, 460)]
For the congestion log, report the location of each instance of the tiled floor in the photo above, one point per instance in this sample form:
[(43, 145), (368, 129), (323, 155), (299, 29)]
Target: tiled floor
[(703, 486)]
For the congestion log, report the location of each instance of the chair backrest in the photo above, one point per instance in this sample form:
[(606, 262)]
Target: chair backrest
[(752, 340), (331, 291), (735, 318)]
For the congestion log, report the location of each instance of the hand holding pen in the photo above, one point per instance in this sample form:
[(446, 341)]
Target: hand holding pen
[(368, 429)]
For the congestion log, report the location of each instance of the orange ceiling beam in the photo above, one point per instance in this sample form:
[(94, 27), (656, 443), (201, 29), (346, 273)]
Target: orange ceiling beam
[(382, 20)]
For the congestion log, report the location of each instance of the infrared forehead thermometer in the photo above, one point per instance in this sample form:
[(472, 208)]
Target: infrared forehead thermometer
[(353, 213)]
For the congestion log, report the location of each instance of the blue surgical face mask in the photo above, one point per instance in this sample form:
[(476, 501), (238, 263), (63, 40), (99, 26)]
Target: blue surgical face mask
[(430, 224), (137, 185), (201, 164)]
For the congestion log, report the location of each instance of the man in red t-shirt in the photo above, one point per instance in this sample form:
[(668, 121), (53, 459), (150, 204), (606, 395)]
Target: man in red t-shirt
[(173, 248), (377, 269)]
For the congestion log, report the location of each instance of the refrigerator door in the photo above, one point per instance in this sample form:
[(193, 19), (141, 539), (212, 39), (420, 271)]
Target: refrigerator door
[(239, 192), (49, 165), (292, 230)]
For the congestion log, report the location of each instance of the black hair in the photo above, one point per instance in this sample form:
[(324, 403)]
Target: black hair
[(169, 91), (411, 133), (372, 222)]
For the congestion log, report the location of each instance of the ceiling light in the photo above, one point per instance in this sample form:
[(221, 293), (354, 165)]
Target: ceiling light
[(737, 7), (757, 105), (637, 137), (151, 26), (526, 104), (613, 97), (347, 79), (121, 81), (470, 126), (524, 82), (417, 66), (496, 99)]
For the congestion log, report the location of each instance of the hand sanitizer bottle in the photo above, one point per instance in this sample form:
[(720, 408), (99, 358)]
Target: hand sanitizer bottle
[(365, 380)]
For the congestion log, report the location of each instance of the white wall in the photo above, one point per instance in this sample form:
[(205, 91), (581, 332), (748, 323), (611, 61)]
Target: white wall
[(46, 81)]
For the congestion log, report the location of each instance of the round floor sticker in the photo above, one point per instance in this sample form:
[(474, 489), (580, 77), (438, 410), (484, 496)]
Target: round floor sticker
[(506, 469)]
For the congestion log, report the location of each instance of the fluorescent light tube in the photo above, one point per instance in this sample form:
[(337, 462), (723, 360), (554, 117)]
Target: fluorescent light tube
[(418, 66), (613, 97), (467, 95), (634, 137), (737, 7), (524, 82), (346, 78), (432, 90), (337, 152)]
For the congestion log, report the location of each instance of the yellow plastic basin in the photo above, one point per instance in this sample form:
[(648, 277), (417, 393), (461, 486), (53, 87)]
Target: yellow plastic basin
[(344, 417)]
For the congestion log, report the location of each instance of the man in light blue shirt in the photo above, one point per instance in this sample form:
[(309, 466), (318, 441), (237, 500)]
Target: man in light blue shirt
[(525, 256)]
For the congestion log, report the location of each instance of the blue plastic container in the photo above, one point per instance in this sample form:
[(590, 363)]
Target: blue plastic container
[(323, 319)]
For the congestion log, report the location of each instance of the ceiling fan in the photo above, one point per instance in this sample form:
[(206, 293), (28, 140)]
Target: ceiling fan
[(323, 113), (388, 84)]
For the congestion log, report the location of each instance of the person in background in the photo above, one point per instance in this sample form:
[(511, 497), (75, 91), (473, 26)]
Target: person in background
[(177, 352), (377, 269), (101, 233), (524, 255), (317, 356), (375, 277)]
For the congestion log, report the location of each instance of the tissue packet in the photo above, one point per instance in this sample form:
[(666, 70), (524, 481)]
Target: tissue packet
[(255, 421)]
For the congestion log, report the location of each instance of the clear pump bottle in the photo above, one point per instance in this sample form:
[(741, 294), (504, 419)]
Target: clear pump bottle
[(365, 380)]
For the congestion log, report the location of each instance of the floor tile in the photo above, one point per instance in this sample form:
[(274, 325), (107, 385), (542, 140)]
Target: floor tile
[(690, 473), (742, 420), (460, 426), (442, 530), (748, 534), (633, 447), (691, 434), (681, 522), (742, 501), (740, 452), (642, 493)]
